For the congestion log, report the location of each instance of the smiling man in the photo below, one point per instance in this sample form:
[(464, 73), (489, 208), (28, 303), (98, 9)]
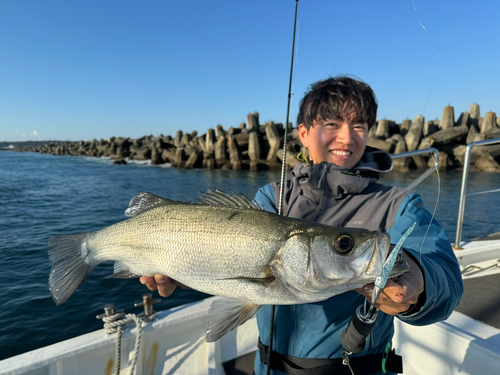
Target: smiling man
[(334, 119), (341, 141), (338, 187)]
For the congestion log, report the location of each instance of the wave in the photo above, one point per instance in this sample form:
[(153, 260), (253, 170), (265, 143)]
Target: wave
[(109, 160), (147, 163)]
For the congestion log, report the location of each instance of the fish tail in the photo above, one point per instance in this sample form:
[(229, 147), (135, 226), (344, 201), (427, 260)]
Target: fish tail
[(68, 255)]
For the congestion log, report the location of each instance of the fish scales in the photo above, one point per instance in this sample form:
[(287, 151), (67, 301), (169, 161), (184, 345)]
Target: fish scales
[(195, 245)]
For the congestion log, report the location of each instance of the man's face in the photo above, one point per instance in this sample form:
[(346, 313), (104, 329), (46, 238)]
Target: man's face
[(338, 141)]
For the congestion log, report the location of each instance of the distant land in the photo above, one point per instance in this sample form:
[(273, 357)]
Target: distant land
[(12, 145)]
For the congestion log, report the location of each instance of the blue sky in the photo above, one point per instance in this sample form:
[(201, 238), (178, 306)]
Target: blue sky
[(73, 70)]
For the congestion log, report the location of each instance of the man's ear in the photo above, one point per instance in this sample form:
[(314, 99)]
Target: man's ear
[(303, 132)]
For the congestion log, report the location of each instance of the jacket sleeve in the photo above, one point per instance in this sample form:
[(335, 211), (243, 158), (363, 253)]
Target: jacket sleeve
[(265, 198), (430, 247)]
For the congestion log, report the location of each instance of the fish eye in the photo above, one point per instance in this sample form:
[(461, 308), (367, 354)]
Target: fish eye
[(344, 244)]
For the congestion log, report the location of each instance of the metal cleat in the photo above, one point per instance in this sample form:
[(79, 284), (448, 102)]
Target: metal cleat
[(109, 311), (147, 302)]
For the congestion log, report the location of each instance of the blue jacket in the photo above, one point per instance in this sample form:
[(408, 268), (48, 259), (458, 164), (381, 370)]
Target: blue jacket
[(328, 194)]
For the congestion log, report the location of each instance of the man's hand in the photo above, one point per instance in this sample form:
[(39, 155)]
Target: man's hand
[(164, 284), (398, 296)]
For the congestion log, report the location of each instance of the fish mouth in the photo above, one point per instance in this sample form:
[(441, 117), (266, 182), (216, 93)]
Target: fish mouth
[(383, 245), (378, 255)]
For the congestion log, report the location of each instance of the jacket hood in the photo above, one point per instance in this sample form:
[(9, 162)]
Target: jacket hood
[(340, 180), (374, 160)]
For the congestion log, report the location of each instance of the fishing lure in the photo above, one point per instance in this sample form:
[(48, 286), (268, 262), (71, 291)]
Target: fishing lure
[(381, 280)]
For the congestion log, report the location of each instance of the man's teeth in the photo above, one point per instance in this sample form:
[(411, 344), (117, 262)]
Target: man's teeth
[(343, 153)]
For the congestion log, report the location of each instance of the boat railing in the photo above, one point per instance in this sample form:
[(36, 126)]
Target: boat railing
[(427, 172), (463, 191)]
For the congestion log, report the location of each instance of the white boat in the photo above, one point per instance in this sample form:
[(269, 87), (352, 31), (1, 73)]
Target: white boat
[(174, 343)]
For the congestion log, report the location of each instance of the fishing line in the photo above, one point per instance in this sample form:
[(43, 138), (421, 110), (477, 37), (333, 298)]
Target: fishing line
[(283, 177), (283, 160), (362, 322), (425, 136), (283, 165), (423, 27)]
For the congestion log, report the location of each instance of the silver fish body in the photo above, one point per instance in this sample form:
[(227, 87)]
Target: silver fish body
[(223, 246)]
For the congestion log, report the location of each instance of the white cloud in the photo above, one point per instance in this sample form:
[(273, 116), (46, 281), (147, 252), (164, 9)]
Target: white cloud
[(30, 135)]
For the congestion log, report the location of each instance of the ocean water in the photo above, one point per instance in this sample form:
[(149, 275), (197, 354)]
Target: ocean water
[(43, 196)]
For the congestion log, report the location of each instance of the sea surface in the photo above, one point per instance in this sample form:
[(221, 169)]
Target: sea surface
[(43, 196)]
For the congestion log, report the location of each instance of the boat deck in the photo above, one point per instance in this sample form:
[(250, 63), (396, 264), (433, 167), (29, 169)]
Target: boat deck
[(240, 366), (491, 237), (481, 299)]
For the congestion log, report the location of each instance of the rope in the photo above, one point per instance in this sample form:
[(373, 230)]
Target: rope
[(115, 324), (118, 350)]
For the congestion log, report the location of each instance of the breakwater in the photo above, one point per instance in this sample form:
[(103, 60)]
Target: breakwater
[(257, 147)]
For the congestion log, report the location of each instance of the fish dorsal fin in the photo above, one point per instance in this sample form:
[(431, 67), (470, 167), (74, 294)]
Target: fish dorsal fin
[(143, 202), (220, 198), (226, 314)]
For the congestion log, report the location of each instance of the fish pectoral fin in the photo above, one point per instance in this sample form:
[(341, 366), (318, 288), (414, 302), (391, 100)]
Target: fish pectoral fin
[(261, 281), (143, 202), (226, 314), (121, 272)]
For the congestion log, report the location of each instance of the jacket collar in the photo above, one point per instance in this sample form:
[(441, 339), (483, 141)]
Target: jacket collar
[(328, 178)]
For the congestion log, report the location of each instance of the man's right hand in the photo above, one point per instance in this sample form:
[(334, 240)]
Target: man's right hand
[(164, 284)]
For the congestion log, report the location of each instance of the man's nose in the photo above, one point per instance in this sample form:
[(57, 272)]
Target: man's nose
[(345, 135)]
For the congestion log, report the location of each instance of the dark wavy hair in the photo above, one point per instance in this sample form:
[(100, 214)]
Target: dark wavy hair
[(340, 97)]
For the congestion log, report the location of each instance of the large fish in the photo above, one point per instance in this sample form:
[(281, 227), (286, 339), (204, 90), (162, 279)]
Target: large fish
[(224, 245)]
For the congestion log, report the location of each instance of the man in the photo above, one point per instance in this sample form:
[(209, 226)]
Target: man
[(338, 188)]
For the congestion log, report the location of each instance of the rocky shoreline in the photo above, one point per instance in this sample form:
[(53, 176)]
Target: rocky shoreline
[(255, 147)]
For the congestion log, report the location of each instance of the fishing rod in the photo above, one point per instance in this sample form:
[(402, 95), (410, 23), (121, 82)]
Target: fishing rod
[(283, 178), (353, 338)]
